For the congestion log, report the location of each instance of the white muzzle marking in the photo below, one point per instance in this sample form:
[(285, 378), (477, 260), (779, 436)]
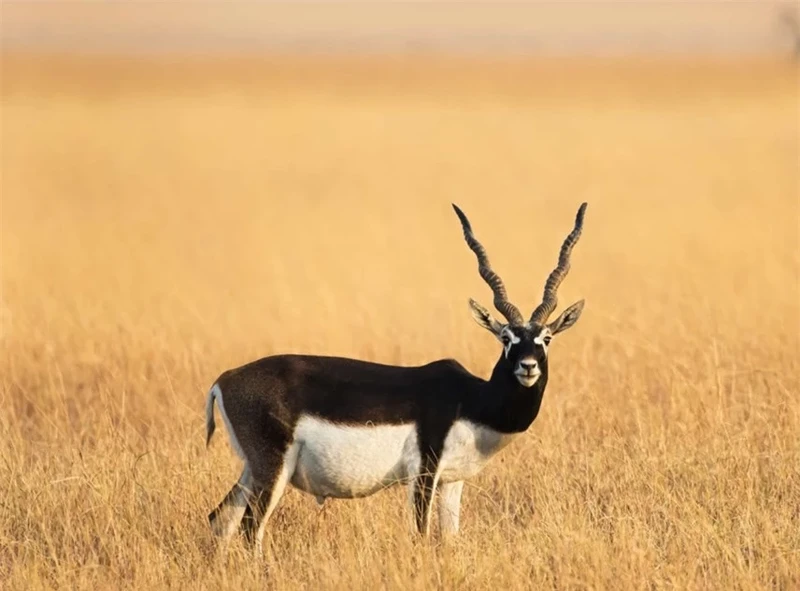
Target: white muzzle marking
[(527, 371)]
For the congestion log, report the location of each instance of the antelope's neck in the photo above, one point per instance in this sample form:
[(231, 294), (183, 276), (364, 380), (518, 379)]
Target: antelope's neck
[(511, 407)]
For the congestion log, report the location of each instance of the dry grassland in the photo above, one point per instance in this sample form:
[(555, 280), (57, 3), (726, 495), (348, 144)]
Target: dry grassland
[(164, 221)]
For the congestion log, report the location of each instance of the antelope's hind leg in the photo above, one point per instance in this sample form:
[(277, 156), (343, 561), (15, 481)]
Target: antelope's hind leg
[(269, 479), (225, 519)]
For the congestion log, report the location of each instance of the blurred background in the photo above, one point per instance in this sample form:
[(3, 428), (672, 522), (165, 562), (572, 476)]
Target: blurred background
[(161, 158), (572, 28)]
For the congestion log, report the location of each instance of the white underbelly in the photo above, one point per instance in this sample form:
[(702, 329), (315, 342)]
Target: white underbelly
[(346, 461)]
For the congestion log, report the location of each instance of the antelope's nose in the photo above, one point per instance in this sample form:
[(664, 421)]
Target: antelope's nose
[(529, 364)]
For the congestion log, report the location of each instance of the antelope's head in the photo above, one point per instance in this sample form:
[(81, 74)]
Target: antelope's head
[(525, 344)]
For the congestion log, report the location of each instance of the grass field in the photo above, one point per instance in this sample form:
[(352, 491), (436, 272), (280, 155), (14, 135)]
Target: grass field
[(164, 221)]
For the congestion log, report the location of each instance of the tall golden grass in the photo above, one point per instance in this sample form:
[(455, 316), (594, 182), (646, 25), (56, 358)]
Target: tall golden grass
[(165, 220)]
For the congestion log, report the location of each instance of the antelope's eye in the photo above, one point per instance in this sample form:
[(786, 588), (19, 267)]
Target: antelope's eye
[(547, 339)]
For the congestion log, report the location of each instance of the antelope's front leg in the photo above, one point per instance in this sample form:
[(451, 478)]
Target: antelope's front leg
[(450, 507), (423, 489)]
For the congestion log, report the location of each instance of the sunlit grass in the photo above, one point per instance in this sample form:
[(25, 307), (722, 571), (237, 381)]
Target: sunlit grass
[(162, 222)]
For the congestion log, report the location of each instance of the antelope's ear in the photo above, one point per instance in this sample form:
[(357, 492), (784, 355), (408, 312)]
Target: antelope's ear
[(568, 318), (486, 320)]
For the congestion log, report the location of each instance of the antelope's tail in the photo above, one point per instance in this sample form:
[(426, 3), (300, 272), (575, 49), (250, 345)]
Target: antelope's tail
[(210, 424)]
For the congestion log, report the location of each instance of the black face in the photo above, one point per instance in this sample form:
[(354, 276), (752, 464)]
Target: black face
[(525, 346), (525, 349)]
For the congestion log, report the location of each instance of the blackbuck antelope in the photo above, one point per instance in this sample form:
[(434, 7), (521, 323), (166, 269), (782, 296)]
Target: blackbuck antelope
[(345, 428)]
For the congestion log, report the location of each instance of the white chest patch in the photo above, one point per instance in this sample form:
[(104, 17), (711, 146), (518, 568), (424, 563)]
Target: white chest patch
[(467, 449), (346, 461)]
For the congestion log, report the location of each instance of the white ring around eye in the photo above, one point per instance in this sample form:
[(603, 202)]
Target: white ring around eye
[(543, 338), (508, 338)]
